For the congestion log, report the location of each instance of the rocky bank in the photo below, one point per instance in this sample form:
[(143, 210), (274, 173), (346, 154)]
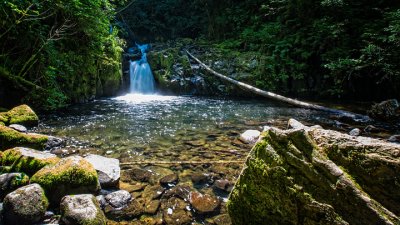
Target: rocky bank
[(308, 175)]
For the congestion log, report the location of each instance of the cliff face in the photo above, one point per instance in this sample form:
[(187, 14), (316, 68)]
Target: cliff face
[(314, 176)]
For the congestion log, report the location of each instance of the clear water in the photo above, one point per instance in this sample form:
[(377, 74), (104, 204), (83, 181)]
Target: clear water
[(143, 128)]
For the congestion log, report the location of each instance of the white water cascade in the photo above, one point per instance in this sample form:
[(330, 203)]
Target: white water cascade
[(142, 80)]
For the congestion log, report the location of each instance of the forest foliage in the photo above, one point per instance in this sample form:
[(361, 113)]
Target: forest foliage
[(53, 52), (330, 48)]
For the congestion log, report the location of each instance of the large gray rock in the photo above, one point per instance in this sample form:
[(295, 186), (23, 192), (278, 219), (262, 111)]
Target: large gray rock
[(81, 210), (26, 205), (19, 128), (317, 176), (107, 168)]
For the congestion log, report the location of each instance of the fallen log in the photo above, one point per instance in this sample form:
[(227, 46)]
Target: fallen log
[(267, 94)]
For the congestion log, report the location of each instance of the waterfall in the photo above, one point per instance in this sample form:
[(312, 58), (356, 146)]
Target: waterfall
[(142, 80)]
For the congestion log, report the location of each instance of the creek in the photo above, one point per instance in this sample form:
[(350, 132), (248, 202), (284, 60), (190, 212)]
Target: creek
[(171, 129)]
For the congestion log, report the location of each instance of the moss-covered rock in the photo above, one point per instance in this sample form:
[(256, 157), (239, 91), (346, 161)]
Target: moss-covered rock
[(72, 175), (26, 205), (26, 160), (10, 138), (316, 176), (22, 114)]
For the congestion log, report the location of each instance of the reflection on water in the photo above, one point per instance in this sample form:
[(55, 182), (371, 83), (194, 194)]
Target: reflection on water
[(137, 128)]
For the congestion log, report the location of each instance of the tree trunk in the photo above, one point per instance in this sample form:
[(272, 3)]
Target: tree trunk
[(281, 98)]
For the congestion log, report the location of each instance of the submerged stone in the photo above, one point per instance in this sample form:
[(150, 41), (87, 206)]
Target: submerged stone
[(204, 203), (317, 176)]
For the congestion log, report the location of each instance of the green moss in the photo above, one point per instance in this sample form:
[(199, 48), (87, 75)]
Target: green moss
[(18, 161), (23, 115), (11, 138), (72, 175)]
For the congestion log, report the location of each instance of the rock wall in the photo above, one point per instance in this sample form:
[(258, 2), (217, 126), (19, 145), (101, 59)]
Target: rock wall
[(316, 176)]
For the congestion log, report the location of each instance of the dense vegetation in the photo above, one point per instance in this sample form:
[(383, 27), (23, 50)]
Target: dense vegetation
[(334, 48), (53, 52), (57, 51)]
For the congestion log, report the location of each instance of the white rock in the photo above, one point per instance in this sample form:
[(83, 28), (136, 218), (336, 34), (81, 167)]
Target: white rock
[(118, 199), (107, 168), (19, 128), (250, 136)]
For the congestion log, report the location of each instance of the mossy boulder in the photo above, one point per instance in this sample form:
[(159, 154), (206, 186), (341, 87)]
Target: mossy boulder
[(71, 175), (26, 205), (26, 160), (11, 138), (316, 176), (22, 114)]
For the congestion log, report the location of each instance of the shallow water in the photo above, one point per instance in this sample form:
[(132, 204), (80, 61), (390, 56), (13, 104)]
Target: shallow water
[(185, 135)]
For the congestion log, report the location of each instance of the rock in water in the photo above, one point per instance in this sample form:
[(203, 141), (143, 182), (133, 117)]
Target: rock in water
[(355, 132), (204, 203), (11, 181), (385, 110), (317, 176), (71, 175), (118, 199), (26, 205), (250, 136), (108, 170), (81, 210)]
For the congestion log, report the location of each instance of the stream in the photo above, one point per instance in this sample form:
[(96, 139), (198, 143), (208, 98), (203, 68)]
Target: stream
[(185, 135)]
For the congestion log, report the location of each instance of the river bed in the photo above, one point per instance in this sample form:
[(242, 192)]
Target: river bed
[(196, 138)]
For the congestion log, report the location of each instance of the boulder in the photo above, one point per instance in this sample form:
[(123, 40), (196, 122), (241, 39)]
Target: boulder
[(107, 169), (26, 205), (223, 185), (317, 176), (27, 160), (81, 210), (394, 138), (11, 181), (22, 115), (10, 138), (71, 175), (250, 136)]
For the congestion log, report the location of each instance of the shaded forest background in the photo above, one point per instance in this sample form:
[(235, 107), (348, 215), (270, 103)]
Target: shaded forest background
[(54, 52)]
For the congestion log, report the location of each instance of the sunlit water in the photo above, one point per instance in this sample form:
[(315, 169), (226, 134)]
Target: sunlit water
[(138, 128)]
